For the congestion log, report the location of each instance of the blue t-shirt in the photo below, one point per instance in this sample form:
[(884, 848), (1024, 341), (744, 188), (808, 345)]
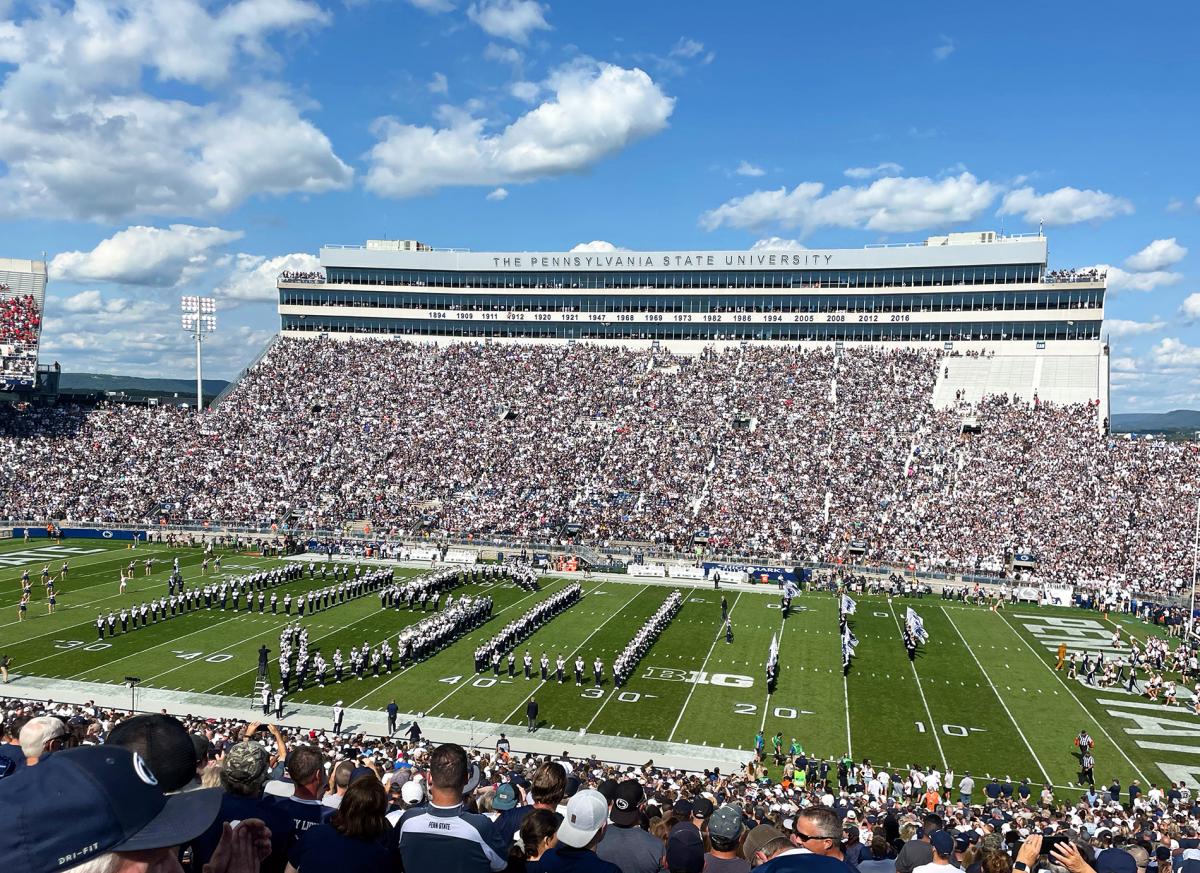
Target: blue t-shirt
[(510, 820), (323, 848), (305, 814), (14, 754), (563, 859), (234, 807)]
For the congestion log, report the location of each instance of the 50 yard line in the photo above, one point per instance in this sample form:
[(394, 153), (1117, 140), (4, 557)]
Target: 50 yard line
[(996, 691), (688, 699), (921, 691)]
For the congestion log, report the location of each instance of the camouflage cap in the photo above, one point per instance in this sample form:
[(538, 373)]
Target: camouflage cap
[(991, 843), (246, 762)]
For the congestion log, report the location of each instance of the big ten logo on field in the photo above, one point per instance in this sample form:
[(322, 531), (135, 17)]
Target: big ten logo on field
[(1079, 634), (41, 554), (698, 677)]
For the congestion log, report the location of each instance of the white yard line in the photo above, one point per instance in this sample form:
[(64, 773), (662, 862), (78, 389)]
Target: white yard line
[(846, 692), (1045, 776), (688, 699), (395, 676), (466, 681), (577, 649), (766, 703), (921, 691), (1053, 673)]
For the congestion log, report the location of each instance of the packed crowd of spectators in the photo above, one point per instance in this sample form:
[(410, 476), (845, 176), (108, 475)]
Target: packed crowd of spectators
[(814, 455), (313, 276), (1077, 274), (20, 320), (309, 800)]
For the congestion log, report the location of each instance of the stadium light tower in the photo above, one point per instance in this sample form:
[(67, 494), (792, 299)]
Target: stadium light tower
[(199, 319)]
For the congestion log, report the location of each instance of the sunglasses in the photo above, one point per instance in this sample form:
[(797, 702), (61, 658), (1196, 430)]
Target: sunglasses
[(804, 838)]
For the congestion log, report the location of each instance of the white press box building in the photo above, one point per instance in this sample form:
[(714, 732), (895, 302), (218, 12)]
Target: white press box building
[(1039, 330)]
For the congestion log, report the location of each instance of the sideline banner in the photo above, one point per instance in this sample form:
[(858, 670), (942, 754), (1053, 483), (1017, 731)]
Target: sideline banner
[(655, 571), (754, 571), (678, 572)]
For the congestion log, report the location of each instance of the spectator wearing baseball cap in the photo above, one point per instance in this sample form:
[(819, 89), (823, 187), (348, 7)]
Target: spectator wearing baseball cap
[(625, 843), (1115, 861), (243, 775), (582, 828), (93, 801), (685, 849), (760, 845), (942, 844), (725, 830), (164, 744)]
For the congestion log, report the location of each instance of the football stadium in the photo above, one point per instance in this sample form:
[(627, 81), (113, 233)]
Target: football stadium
[(715, 509)]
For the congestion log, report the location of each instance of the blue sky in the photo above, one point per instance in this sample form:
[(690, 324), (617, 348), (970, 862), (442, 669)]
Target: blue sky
[(154, 148)]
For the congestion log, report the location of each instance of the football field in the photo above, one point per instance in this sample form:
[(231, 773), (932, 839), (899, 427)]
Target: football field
[(982, 694)]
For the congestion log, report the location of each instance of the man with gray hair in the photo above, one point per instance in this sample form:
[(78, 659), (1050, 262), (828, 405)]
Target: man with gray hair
[(243, 774), (42, 735)]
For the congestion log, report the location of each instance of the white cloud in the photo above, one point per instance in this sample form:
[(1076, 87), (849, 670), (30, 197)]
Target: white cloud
[(150, 256), (597, 245), (1190, 308), (506, 54), (81, 138), (1170, 353), (92, 301), (944, 48), (497, 194), (509, 19), (253, 276), (433, 6), (686, 48), (1157, 255), (745, 168), (1122, 280), (527, 91), (1124, 365), (778, 244), (597, 110), (141, 337), (1124, 327), (1197, 201), (438, 84), (1063, 206), (888, 205), (887, 168)]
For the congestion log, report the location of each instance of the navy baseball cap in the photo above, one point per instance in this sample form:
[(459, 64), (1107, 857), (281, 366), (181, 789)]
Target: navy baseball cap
[(942, 843), (1109, 861), (81, 803)]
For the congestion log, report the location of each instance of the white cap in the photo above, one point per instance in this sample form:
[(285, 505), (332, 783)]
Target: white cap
[(587, 812), (412, 792)]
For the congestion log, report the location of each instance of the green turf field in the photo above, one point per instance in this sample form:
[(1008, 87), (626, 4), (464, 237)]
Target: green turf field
[(981, 696)]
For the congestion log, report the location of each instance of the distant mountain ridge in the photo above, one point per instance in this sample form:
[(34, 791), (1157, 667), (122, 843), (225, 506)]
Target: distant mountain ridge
[(1177, 420), (137, 385)]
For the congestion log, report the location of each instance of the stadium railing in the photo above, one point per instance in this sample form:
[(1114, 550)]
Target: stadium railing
[(233, 383)]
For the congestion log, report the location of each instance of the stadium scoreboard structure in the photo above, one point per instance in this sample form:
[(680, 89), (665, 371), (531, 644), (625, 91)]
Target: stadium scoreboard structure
[(980, 289), (22, 302)]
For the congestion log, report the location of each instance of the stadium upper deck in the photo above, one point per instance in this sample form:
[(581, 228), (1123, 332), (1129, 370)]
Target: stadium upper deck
[(979, 288)]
